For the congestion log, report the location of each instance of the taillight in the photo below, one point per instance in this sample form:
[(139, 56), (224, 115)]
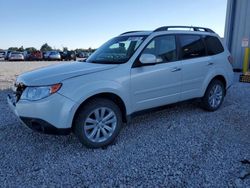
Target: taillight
[(230, 59)]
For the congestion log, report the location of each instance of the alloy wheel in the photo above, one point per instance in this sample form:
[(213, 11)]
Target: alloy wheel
[(215, 96), (100, 124)]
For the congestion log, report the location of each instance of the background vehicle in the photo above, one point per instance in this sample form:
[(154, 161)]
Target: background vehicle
[(8, 54), (83, 55), (35, 56), (132, 72), (46, 55), (26, 54), (3, 55), (16, 56), (52, 55), (68, 55)]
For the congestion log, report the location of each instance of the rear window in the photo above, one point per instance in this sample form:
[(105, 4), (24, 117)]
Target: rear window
[(214, 45), (192, 46)]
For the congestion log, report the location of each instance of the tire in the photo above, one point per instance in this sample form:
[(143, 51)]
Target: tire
[(90, 126), (214, 96)]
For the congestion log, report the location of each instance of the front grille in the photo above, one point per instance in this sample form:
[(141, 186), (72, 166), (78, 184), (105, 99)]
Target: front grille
[(19, 88)]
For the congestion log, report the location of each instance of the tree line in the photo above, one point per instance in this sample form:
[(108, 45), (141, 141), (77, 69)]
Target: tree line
[(45, 47)]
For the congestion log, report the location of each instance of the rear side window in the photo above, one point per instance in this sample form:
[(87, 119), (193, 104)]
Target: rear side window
[(191, 46), (214, 45)]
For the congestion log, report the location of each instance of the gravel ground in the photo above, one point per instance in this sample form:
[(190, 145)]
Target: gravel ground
[(180, 146)]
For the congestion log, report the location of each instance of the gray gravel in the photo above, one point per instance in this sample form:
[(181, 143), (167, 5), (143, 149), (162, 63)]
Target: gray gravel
[(180, 146)]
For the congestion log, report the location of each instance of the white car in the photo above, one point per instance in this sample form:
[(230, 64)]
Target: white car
[(52, 55), (16, 56), (131, 72)]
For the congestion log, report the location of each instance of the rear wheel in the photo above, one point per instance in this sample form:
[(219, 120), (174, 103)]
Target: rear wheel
[(214, 95), (98, 123)]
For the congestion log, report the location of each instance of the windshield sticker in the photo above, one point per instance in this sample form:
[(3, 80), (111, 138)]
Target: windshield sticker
[(135, 38)]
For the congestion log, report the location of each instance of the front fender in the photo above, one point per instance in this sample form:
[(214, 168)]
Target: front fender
[(85, 91)]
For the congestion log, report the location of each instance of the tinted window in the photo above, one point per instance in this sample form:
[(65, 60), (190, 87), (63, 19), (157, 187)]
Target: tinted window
[(191, 46), (163, 47), (213, 44)]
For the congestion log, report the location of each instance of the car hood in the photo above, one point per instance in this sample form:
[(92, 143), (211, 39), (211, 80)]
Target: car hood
[(57, 73)]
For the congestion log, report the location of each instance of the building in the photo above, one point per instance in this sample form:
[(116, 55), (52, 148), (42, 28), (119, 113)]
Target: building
[(237, 29)]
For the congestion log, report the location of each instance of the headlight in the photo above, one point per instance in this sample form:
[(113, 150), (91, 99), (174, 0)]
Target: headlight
[(37, 93)]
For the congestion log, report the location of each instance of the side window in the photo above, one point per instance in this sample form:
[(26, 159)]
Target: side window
[(213, 44), (163, 47), (191, 46)]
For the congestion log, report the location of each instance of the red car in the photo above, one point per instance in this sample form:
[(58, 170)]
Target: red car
[(35, 56)]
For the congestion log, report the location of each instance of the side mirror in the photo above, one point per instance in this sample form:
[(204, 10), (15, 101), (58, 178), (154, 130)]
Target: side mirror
[(150, 59)]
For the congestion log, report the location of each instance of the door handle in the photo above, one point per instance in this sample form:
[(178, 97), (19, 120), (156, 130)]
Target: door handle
[(175, 69), (210, 63)]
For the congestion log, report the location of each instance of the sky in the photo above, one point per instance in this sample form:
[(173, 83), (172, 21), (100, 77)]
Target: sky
[(90, 23)]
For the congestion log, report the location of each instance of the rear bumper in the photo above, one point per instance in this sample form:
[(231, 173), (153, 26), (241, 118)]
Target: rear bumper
[(54, 58), (16, 59)]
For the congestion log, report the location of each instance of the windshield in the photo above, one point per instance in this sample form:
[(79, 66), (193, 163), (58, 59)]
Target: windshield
[(117, 50)]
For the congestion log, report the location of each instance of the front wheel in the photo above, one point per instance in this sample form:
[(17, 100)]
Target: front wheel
[(98, 123), (214, 96)]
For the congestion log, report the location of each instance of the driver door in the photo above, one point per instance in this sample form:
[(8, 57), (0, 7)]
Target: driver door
[(158, 84)]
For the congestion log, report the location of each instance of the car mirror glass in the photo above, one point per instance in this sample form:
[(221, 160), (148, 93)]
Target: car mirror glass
[(148, 59)]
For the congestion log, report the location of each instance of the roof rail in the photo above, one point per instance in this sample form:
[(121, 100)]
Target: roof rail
[(166, 28), (130, 32)]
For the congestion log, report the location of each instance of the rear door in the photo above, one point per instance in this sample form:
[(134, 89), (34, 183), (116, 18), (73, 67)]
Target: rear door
[(195, 64)]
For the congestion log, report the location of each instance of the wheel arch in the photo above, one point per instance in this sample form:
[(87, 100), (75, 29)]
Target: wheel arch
[(107, 95), (217, 77)]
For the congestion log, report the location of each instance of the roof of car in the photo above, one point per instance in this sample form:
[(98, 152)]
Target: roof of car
[(174, 29)]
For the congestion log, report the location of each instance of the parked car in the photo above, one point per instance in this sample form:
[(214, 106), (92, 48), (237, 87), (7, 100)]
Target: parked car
[(16, 56), (46, 55), (26, 54), (35, 56), (68, 55), (3, 55), (8, 54), (83, 54), (132, 72), (52, 55)]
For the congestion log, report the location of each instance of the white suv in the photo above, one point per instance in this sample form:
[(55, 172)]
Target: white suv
[(132, 72)]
